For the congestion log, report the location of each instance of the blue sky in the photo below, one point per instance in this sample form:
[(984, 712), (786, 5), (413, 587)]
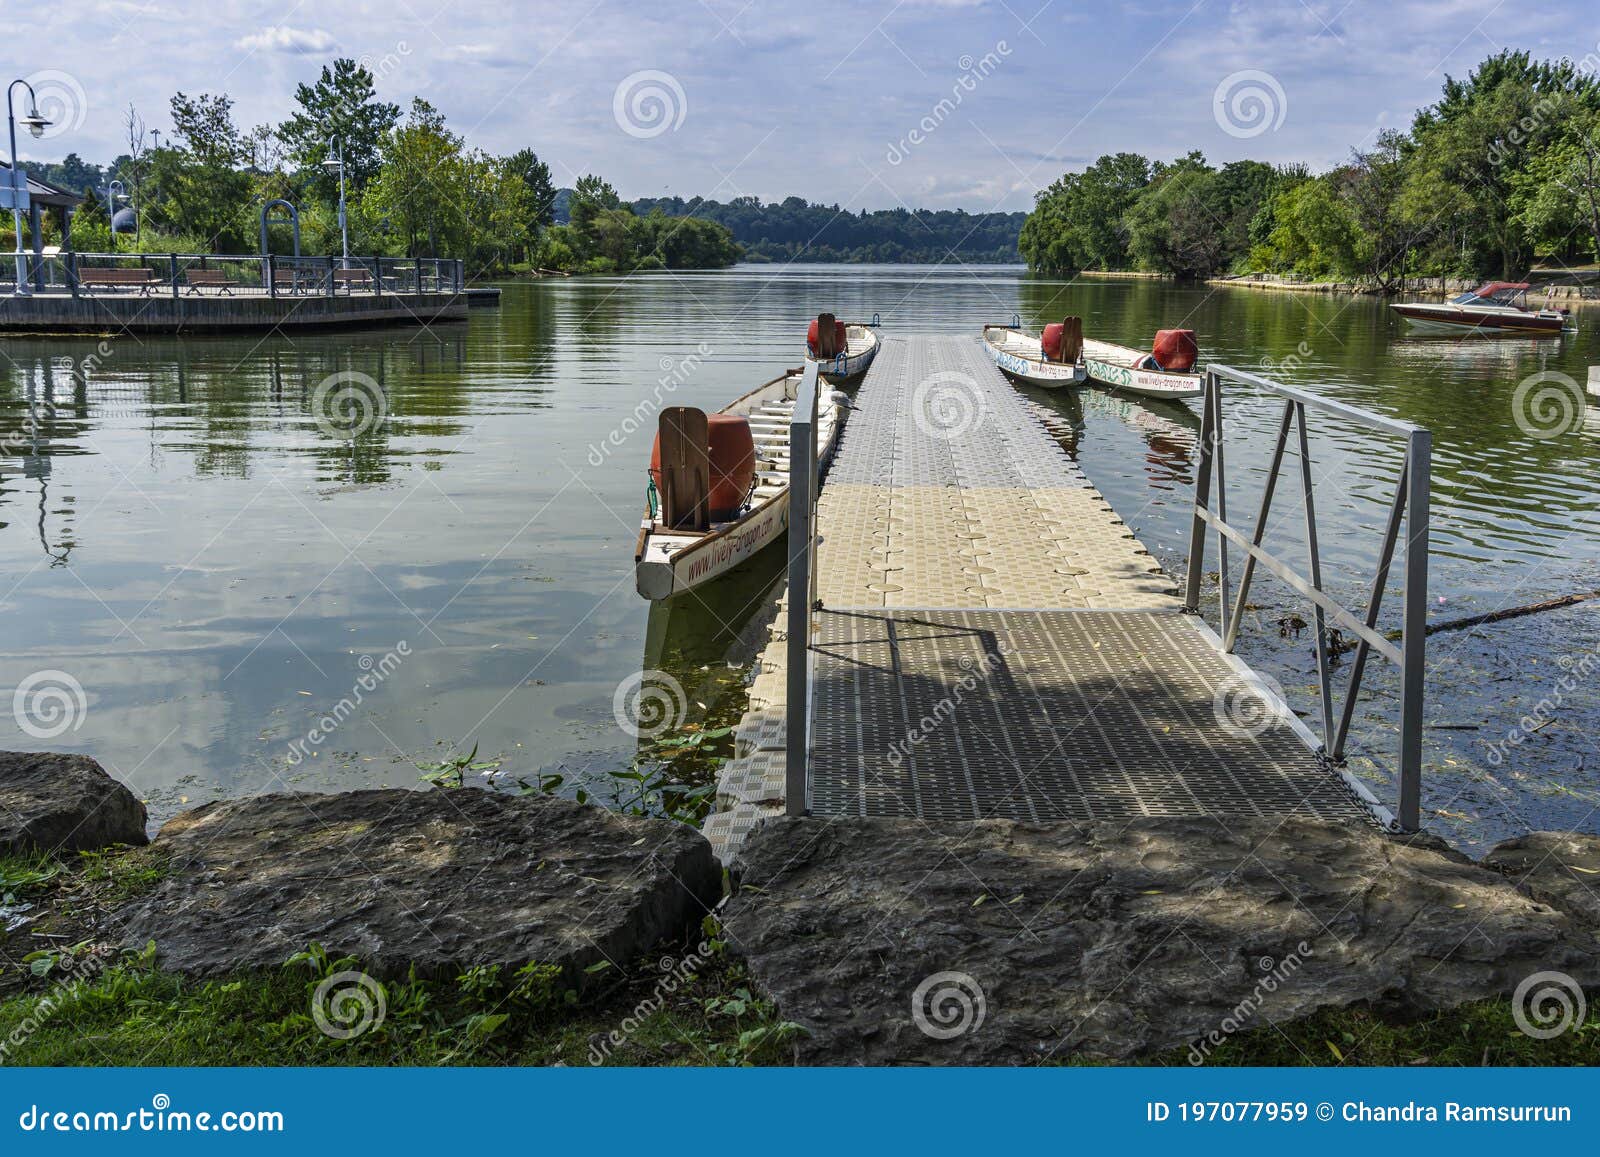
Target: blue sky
[(832, 101)]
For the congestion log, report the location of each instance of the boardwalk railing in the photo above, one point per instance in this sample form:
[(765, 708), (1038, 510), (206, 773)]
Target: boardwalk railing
[(1410, 507), (195, 275), (802, 572)]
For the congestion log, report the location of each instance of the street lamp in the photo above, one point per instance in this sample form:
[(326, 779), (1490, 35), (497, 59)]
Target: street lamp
[(115, 191), (36, 125), (336, 161)]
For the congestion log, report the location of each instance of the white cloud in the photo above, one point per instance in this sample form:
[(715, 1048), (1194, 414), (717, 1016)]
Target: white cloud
[(282, 38)]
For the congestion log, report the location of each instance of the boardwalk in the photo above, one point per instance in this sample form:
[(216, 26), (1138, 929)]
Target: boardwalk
[(994, 642)]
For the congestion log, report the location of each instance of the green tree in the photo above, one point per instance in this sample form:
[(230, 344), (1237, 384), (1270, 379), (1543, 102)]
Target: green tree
[(420, 188), (204, 193), (341, 103)]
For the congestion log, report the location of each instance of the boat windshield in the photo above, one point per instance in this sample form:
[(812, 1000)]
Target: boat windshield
[(1464, 299)]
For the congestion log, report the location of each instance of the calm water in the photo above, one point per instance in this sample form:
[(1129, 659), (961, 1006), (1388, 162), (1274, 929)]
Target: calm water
[(217, 568)]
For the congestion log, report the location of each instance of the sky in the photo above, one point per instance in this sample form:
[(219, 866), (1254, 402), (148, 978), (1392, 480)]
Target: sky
[(972, 104)]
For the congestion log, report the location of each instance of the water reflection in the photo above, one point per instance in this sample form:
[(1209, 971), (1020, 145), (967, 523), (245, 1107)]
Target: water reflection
[(181, 532)]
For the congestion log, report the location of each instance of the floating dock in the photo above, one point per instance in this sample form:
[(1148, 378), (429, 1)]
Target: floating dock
[(993, 641)]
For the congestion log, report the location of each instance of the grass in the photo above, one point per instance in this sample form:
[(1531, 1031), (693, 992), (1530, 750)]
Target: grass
[(127, 1012), (1483, 1033), (69, 997)]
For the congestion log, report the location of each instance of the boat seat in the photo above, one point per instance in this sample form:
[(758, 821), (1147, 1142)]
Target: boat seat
[(684, 433)]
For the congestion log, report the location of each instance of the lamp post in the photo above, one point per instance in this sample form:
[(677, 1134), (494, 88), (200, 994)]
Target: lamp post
[(336, 161), (36, 125), (114, 190)]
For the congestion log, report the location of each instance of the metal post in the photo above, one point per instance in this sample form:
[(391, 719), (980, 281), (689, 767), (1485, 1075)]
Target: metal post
[(1222, 507), (72, 271), (270, 275), (377, 276), (172, 272), (1414, 644), (330, 276), (802, 500), (1202, 496)]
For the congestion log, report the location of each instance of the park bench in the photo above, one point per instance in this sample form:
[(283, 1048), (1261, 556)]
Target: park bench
[(199, 279), (141, 279), (352, 279)]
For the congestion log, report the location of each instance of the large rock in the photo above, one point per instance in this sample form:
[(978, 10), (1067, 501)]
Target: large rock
[(435, 879), (1559, 868), (63, 803), (1116, 940)]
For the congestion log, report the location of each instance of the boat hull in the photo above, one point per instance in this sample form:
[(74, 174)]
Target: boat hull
[(1430, 318), (668, 563), (707, 558), (1115, 367), (861, 347), (1020, 367)]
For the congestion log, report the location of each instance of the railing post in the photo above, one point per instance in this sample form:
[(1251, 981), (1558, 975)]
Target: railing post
[(72, 271), (1414, 643), (802, 504), (330, 275), (377, 276), (269, 274), (1202, 498), (172, 272)]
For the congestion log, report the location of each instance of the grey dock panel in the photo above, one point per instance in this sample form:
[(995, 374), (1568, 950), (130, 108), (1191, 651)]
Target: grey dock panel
[(997, 643)]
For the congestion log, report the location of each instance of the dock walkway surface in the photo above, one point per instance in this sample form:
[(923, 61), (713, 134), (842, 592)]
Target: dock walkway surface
[(995, 642)]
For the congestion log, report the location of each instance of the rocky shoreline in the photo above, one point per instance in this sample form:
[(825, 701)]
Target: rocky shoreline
[(1053, 941)]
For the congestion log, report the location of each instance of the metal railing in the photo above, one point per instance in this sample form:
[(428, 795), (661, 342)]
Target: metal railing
[(803, 487), (1410, 507), (199, 275)]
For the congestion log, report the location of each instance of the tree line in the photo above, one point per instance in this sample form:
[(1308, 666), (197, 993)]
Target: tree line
[(794, 229), (1504, 167), (413, 188)]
